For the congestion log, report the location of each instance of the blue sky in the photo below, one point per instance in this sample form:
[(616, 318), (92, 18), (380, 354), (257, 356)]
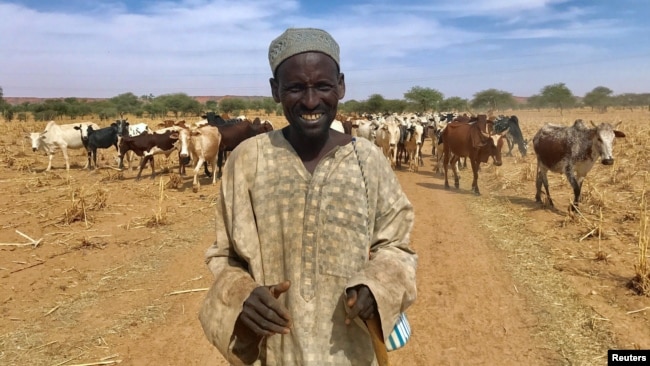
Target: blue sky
[(90, 48)]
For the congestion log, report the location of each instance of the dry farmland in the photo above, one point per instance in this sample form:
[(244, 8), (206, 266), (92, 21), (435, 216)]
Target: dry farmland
[(97, 268)]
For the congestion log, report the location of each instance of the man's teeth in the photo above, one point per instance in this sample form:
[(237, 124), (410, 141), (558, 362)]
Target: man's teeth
[(311, 117)]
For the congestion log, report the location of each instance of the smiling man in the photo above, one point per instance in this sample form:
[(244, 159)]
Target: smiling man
[(312, 228)]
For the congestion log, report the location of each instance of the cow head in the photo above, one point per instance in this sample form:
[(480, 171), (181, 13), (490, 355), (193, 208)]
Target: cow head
[(184, 138), (492, 148), (35, 138), (602, 137), (122, 127)]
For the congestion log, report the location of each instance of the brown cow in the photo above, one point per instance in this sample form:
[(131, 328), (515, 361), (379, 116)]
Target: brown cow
[(147, 145), (573, 151), (234, 133), (472, 141)]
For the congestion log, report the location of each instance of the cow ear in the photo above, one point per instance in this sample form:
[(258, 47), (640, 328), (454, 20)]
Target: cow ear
[(174, 136), (618, 133)]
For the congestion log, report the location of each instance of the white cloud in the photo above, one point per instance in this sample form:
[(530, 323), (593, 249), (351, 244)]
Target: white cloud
[(219, 47)]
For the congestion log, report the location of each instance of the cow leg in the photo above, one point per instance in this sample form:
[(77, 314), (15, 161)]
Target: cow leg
[(445, 164), (511, 144), (575, 184), (143, 161), (153, 167), (64, 150), (213, 163), (475, 164), (195, 183), (220, 161), (542, 179), (455, 168), (49, 164), (95, 157), (90, 159), (206, 170), (120, 165), (181, 163)]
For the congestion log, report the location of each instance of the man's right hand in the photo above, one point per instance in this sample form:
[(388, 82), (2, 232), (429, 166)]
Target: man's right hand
[(263, 314)]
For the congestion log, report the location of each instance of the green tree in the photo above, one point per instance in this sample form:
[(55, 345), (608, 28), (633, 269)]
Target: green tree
[(424, 99), (599, 98), (396, 105), (9, 114), (255, 104), (232, 105), (376, 103), (535, 102), (493, 99), (211, 105), (179, 103), (268, 105), (126, 103), (454, 104), (557, 96), (155, 109), (4, 106), (352, 106)]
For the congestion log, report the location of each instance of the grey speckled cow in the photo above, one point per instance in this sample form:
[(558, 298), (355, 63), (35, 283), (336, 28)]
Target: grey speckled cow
[(573, 151)]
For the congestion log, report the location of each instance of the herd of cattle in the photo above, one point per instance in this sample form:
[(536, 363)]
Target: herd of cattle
[(570, 150)]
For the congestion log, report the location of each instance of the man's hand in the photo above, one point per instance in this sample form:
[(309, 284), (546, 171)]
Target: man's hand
[(263, 314), (361, 303)]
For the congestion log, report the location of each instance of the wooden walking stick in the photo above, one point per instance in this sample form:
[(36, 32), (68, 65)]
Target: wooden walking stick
[(374, 327)]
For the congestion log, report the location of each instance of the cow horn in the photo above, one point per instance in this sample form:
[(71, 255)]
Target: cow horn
[(485, 134), (593, 124)]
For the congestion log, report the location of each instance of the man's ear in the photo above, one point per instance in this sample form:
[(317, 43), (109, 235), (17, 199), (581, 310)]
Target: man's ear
[(275, 90), (341, 86)]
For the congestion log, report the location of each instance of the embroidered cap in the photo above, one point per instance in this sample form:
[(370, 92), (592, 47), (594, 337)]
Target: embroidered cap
[(298, 40)]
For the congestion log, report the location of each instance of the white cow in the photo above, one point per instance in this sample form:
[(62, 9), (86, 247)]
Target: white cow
[(366, 129), (386, 138), (337, 126), (63, 137), (203, 145)]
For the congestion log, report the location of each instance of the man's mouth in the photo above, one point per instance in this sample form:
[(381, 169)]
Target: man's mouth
[(312, 117)]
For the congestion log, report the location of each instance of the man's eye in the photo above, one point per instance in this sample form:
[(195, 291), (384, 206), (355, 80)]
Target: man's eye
[(325, 88)]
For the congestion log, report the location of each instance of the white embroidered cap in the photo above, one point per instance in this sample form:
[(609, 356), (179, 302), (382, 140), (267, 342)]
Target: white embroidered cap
[(299, 40)]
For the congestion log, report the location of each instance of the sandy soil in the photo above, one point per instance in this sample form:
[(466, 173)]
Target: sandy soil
[(501, 280)]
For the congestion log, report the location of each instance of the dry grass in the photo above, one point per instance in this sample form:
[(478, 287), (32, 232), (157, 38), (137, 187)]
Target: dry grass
[(640, 283), (77, 210), (569, 328), (175, 181), (160, 216)]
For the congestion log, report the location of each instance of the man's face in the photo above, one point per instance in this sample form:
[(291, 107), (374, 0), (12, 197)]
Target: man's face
[(309, 86)]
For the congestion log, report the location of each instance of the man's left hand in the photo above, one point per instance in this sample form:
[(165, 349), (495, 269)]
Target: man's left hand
[(361, 303)]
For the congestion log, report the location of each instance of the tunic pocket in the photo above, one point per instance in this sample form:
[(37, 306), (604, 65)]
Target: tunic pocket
[(343, 249)]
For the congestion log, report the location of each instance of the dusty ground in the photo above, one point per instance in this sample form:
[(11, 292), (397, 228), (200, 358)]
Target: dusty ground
[(119, 276)]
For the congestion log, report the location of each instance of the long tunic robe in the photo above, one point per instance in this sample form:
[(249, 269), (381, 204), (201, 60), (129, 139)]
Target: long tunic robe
[(325, 232)]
